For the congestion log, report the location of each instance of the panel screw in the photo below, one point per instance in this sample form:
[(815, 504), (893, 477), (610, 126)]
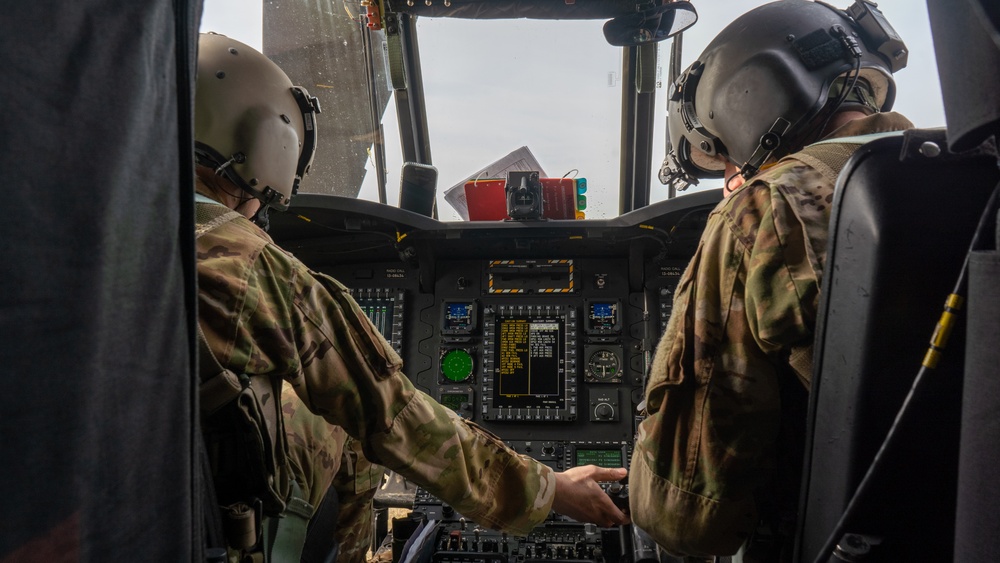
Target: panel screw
[(930, 149)]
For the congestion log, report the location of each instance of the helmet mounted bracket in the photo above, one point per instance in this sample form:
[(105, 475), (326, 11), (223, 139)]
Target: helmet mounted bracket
[(769, 142), (878, 34), (309, 106)]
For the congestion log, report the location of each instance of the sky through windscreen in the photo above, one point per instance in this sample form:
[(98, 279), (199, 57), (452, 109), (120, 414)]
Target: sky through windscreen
[(554, 86)]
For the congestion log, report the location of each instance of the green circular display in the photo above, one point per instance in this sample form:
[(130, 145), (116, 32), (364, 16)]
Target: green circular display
[(456, 365)]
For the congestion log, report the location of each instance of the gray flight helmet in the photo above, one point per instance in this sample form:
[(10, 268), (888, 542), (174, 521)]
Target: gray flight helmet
[(763, 86), (251, 124)]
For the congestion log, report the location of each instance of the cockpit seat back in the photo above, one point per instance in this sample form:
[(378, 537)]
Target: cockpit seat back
[(967, 48), (903, 217)]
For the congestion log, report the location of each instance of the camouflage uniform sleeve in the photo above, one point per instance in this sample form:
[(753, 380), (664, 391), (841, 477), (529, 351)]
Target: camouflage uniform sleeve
[(787, 259), (264, 313), (692, 468), (467, 467), (350, 375), (713, 397)]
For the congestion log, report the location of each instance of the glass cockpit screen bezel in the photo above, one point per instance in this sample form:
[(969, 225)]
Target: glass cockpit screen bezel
[(529, 363)]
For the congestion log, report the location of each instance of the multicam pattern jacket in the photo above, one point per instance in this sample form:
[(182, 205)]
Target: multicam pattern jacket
[(321, 456), (743, 313), (264, 313)]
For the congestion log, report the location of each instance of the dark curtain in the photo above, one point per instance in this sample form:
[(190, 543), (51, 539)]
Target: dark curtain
[(96, 299)]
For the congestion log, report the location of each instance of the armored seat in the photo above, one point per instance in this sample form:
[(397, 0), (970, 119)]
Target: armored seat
[(904, 214)]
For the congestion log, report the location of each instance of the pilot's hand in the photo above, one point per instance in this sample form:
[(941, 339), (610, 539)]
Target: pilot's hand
[(580, 497)]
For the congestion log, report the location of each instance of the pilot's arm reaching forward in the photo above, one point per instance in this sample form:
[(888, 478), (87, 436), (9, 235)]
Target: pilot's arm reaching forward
[(265, 314)]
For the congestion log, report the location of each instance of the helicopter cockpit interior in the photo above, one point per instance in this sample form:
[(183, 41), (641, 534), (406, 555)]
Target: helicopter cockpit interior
[(100, 430)]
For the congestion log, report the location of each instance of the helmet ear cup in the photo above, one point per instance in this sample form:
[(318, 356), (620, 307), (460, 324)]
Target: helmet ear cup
[(272, 154)]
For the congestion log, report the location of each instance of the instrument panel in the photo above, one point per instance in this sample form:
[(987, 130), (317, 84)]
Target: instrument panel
[(542, 332)]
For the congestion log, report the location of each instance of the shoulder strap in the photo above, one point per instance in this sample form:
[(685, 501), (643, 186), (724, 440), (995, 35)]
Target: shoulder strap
[(321, 541), (286, 534), (223, 386), (828, 159), (830, 155), (200, 230)]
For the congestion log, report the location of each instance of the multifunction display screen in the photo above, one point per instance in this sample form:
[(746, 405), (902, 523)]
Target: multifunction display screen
[(529, 362), (603, 317), (459, 318), (531, 372), (600, 458)]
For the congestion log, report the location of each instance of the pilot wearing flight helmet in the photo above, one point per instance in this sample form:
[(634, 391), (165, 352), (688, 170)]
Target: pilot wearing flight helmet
[(781, 97), (265, 315)]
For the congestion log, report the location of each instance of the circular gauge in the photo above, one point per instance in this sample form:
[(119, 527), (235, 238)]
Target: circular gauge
[(603, 365), (456, 365)]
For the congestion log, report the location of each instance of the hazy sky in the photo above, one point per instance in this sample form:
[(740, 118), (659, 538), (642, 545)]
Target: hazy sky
[(493, 86)]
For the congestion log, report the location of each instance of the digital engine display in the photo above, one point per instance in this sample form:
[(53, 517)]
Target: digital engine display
[(384, 307)]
